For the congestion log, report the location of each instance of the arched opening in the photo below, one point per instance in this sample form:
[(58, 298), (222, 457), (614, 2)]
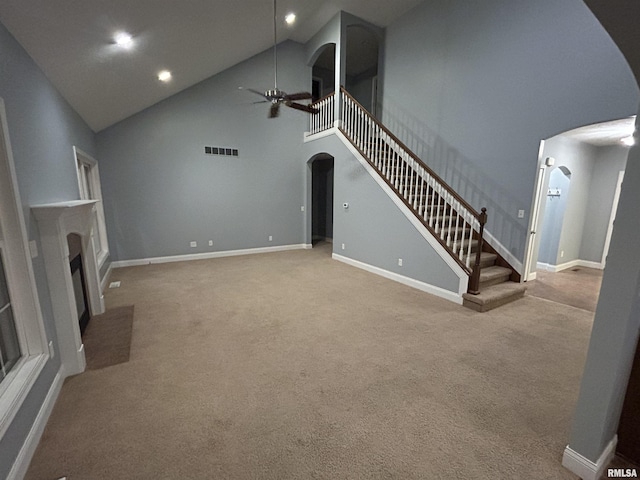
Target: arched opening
[(323, 72), (578, 185), (362, 67), (321, 166)]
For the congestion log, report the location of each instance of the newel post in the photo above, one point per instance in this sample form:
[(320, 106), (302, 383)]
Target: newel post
[(474, 282)]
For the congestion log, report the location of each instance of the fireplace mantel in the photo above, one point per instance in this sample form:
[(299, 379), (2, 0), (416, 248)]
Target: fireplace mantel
[(55, 222)]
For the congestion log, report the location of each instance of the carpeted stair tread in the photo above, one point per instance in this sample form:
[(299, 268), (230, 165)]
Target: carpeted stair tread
[(494, 296), (493, 275), (486, 259)]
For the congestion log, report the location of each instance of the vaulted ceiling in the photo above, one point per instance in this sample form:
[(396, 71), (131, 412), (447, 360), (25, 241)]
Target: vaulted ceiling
[(72, 42)]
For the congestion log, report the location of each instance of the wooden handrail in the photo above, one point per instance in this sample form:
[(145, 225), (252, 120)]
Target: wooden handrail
[(413, 169), (450, 190)]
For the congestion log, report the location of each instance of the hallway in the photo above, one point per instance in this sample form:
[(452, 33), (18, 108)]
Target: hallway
[(578, 287)]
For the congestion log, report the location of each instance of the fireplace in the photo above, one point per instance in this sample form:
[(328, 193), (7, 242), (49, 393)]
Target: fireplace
[(56, 222)]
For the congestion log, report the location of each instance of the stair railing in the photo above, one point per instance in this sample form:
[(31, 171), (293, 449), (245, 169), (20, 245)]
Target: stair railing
[(456, 224)]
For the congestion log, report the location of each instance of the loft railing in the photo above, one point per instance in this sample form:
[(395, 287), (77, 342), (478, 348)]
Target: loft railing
[(457, 225)]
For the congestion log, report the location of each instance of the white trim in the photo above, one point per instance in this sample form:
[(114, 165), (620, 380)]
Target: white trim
[(411, 282), (564, 266), (504, 253), (612, 217), (22, 287), (308, 137), (585, 468), (22, 461), (99, 237), (207, 255), (105, 279)]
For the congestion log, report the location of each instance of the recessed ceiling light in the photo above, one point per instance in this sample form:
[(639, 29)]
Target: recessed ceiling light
[(123, 39), (290, 18), (629, 141), (164, 76)]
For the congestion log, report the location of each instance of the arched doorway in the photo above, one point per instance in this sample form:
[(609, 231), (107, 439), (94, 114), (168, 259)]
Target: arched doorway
[(321, 166)]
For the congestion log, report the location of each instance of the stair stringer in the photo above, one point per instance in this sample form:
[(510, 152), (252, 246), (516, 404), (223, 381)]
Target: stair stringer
[(458, 271)]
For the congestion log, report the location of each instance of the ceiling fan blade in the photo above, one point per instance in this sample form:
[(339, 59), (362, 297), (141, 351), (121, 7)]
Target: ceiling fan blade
[(274, 111), (304, 108), (253, 91), (298, 96)]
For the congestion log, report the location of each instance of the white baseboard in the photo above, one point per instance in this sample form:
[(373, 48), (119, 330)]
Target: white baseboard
[(564, 266), (21, 464), (411, 282), (585, 468), (207, 255)]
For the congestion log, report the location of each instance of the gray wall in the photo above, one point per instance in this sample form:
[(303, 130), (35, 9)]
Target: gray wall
[(162, 191), (373, 229), (472, 88), (555, 207), (609, 162), (43, 129)]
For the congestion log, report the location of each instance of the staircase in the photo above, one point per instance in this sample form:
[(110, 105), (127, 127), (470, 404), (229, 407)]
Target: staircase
[(450, 219)]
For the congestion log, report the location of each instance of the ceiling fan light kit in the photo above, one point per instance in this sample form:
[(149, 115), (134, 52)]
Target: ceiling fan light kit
[(276, 96)]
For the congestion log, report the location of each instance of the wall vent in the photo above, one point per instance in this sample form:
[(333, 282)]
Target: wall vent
[(230, 152)]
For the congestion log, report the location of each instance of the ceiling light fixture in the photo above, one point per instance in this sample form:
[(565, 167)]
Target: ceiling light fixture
[(123, 40), (628, 141), (290, 18), (164, 76)]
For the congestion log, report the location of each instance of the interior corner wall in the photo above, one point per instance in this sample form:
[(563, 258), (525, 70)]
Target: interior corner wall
[(473, 87), (609, 162), (162, 191), (43, 129), (373, 229)]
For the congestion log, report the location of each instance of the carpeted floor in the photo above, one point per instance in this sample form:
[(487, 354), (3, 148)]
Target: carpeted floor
[(578, 287), (295, 366)]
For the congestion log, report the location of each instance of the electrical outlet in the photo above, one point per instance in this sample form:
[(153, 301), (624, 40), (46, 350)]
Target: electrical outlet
[(211, 243), (52, 351), (271, 238), (343, 246), (561, 253), (520, 213), (399, 262), (193, 244), (302, 208)]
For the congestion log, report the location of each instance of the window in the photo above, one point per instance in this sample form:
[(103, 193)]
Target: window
[(9, 346), (89, 185), (23, 344)]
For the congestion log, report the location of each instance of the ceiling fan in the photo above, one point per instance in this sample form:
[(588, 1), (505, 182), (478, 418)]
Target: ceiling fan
[(276, 96)]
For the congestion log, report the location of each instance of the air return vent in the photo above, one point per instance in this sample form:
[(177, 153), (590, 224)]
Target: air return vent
[(229, 152)]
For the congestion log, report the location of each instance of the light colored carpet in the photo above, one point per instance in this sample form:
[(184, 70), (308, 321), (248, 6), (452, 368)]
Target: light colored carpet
[(578, 287), (295, 366)]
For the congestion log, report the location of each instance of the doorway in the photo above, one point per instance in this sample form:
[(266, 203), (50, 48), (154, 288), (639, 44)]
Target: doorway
[(575, 197), (322, 199)]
